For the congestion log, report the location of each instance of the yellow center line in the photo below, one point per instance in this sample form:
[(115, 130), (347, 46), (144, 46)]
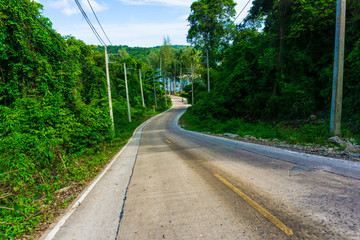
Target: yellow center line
[(257, 207), (168, 141)]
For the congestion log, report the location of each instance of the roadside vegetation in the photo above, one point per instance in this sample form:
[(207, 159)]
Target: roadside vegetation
[(55, 129), (300, 132), (271, 73)]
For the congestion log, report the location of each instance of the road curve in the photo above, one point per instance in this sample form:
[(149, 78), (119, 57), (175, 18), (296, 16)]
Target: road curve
[(169, 183), (174, 194)]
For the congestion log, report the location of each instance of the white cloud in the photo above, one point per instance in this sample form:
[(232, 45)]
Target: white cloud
[(183, 3), (69, 7)]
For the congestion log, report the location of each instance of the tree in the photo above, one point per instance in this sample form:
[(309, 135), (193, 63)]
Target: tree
[(210, 26)]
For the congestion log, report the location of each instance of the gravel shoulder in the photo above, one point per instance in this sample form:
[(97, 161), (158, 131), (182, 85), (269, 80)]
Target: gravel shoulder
[(325, 151)]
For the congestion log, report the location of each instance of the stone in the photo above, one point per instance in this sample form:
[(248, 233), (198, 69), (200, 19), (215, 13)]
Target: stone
[(231, 135), (63, 189), (350, 147), (336, 140)]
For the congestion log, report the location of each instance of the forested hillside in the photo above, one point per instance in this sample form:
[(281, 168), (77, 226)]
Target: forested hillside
[(136, 52), (55, 129), (277, 64)]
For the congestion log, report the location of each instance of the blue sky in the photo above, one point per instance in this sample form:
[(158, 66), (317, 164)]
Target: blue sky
[(141, 23)]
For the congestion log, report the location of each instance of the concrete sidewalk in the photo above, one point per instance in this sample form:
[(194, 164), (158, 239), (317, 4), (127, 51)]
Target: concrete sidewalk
[(95, 214)]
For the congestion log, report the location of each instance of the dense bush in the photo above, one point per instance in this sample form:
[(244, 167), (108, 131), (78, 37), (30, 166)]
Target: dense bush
[(279, 65)]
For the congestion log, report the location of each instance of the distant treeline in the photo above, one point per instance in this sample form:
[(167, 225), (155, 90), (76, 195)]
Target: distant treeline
[(137, 52)]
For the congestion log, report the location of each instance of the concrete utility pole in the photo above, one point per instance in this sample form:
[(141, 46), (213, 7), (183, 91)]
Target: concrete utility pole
[(109, 88), (192, 84), (155, 92), (175, 79), (127, 93), (174, 85), (164, 83), (208, 70), (141, 87), (169, 85), (337, 90), (165, 91), (181, 81)]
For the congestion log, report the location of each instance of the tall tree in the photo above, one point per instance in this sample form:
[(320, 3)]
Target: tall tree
[(210, 26)]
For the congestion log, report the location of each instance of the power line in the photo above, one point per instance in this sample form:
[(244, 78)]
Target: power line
[(242, 10), (97, 35), (99, 22)]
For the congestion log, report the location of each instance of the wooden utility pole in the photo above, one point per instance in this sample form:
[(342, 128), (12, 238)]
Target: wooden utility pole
[(127, 93), (337, 90), (141, 87), (109, 88)]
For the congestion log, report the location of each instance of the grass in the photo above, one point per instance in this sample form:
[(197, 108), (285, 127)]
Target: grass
[(296, 132)]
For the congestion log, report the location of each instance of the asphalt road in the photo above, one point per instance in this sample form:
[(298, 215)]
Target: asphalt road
[(186, 185)]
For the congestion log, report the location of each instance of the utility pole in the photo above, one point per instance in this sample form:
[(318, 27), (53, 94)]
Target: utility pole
[(164, 83), (155, 92), (337, 90), (174, 85), (192, 84), (175, 79), (127, 93), (141, 87), (109, 88), (169, 85), (165, 91), (208, 70)]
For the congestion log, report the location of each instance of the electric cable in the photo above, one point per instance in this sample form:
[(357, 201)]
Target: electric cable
[(242, 10), (99, 22), (89, 23)]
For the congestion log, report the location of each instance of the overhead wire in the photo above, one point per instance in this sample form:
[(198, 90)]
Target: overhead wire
[(245, 18), (99, 22), (242, 10), (97, 35), (58, 37)]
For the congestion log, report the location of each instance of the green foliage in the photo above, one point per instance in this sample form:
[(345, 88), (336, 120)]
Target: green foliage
[(296, 132), (140, 53), (55, 129), (279, 65), (211, 26)]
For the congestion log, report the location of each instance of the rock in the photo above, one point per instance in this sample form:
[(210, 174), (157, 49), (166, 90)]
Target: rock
[(231, 135), (275, 140), (336, 140), (252, 138), (247, 136), (313, 117), (62, 189), (351, 147)]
